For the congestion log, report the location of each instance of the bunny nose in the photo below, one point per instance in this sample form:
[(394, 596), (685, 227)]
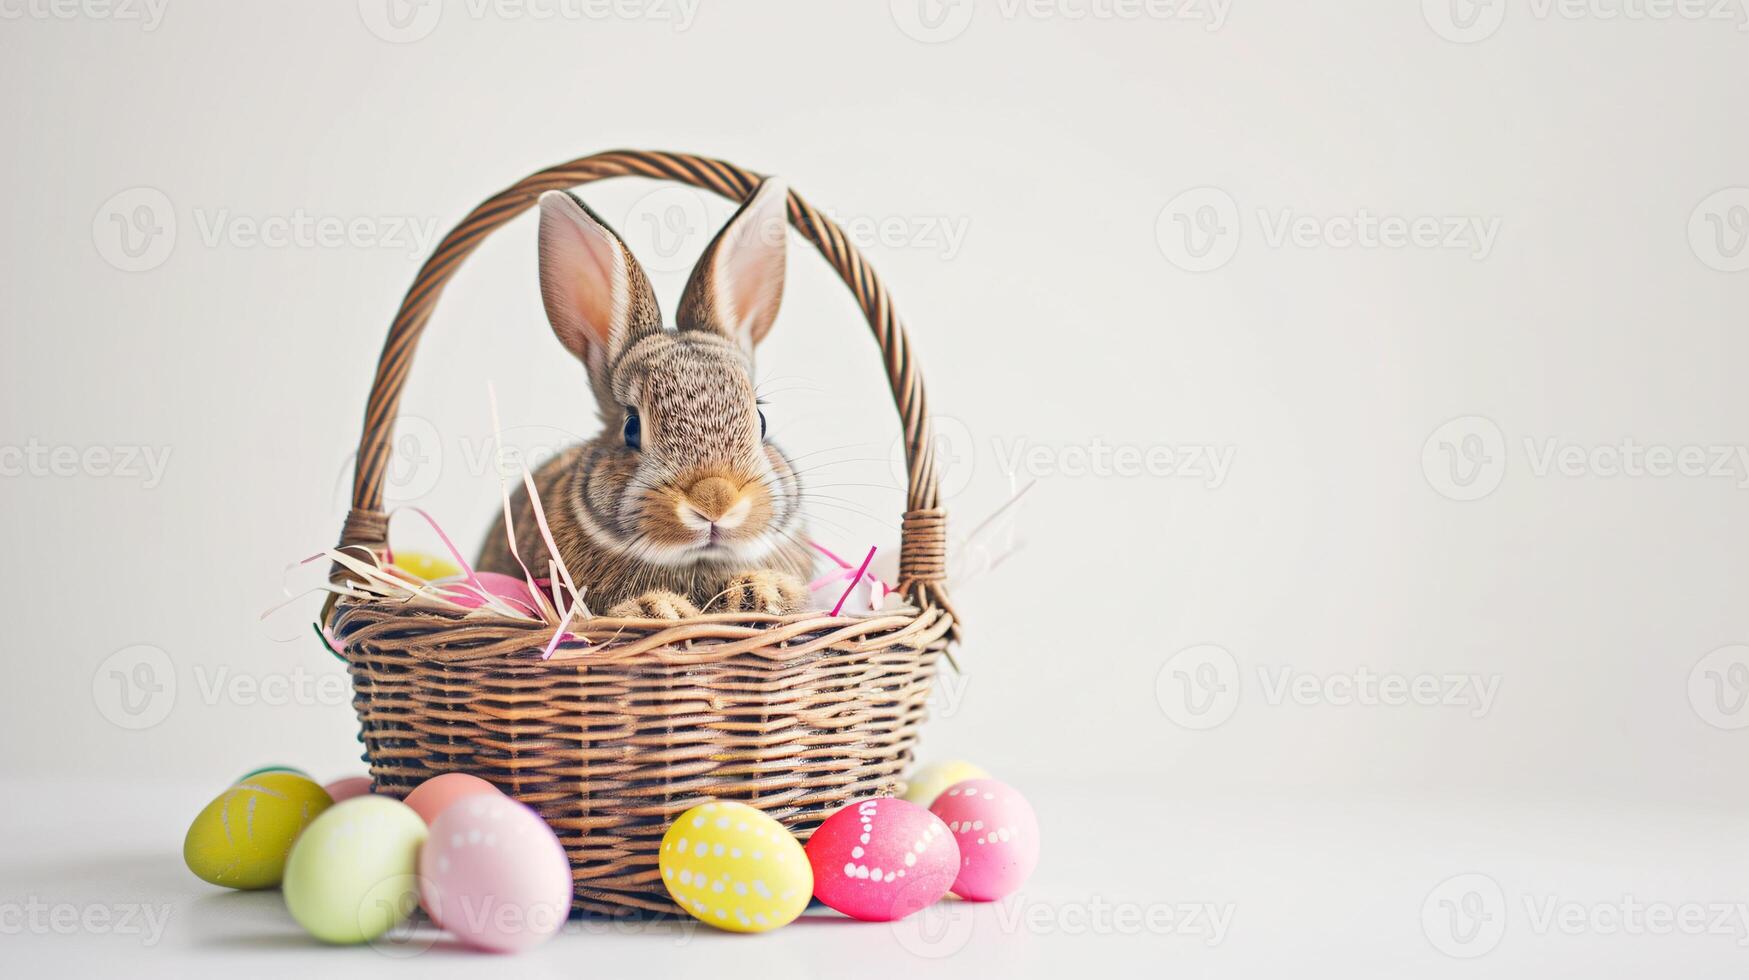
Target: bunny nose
[(715, 501)]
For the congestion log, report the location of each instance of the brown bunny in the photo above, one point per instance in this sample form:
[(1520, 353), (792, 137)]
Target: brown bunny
[(680, 504)]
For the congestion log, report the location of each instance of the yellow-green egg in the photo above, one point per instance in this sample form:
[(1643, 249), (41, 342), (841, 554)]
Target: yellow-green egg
[(242, 838), (930, 781), (735, 868), (353, 875)]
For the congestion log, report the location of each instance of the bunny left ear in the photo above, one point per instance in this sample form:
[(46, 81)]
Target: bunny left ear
[(737, 285)]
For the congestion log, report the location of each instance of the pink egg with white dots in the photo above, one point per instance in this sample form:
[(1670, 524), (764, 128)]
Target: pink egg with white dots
[(997, 835), (493, 873), (882, 859)]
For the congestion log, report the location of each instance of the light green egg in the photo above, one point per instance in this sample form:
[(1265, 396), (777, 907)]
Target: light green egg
[(932, 780), (353, 874), (242, 838)]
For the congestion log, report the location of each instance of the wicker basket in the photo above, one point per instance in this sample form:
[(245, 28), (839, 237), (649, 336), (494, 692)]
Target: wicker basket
[(609, 741)]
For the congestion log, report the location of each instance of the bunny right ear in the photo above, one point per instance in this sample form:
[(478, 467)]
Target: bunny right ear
[(596, 295), (737, 286)]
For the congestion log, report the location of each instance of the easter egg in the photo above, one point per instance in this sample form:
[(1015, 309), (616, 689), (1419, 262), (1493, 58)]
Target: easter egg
[(346, 789), (433, 796), (735, 868), (513, 590), (494, 874), (882, 859), (424, 566), (241, 839), (353, 875), (928, 782), (997, 835)]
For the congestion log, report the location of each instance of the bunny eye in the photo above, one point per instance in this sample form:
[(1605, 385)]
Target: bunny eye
[(761, 423), (634, 431)]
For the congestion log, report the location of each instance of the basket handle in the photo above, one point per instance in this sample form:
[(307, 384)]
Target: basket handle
[(923, 534)]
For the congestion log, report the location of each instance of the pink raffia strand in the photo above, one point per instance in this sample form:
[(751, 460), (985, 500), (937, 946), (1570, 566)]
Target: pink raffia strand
[(878, 589), (378, 579), (555, 567), (556, 570), (854, 580), (454, 552), (510, 535)]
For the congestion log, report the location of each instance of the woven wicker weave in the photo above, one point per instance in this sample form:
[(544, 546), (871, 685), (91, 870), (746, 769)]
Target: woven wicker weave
[(795, 715)]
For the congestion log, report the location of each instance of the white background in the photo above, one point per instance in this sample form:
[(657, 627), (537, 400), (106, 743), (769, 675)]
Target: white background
[(1025, 176)]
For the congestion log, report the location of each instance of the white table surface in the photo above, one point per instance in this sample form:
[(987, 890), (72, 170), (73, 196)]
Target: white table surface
[(1134, 882)]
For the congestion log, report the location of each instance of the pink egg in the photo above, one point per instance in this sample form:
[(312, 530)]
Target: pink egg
[(882, 859), (507, 587), (493, 873), (346, 789), (997, 834), (430, 798)]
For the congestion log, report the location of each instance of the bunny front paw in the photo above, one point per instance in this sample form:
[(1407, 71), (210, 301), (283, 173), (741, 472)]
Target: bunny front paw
[(764, 592), (655, 604)]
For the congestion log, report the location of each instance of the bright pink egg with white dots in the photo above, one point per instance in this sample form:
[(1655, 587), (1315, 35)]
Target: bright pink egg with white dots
[(882, 859), (997, 835)]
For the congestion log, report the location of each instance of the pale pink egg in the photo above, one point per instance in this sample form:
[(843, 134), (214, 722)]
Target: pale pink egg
[(493, 873), (346, 789), (997, 834), (882, 859), (430, 798), (507, 587)]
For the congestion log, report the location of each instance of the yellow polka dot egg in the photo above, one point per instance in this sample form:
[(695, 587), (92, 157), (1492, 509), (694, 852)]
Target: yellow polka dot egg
[(735, 868)]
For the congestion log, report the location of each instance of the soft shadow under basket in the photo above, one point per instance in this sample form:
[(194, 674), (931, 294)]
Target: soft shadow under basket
[(609, 741)]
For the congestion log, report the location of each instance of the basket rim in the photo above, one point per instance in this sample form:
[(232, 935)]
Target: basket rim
[(437, 635)]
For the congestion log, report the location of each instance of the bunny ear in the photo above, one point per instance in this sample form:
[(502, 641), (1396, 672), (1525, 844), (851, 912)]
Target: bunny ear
[(737, 285), (596, 295)]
